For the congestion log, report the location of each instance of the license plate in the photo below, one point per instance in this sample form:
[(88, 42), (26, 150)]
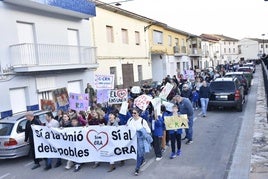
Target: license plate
[(222, 97)]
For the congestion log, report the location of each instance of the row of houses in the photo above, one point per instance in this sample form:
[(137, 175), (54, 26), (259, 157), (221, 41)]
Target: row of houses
[(46, 45)]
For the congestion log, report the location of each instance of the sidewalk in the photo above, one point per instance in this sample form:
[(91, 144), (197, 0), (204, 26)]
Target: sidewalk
[(250, 158), (259, 156)]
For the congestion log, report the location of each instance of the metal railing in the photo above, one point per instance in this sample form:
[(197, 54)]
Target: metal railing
[(265, 78), (30, 54)]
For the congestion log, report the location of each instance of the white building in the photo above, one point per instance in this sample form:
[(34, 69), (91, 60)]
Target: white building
[(44, 45), (250, 48), (211, 55)]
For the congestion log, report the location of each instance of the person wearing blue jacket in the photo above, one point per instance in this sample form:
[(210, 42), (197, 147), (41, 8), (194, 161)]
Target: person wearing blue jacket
[(157, 131), (175, 135)]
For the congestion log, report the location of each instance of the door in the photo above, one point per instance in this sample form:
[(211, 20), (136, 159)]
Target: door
[(27, 47), (74, 87), (128, 75), (73, 43), (17, 105)]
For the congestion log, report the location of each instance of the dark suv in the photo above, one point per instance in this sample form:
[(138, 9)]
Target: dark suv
[(241, 77), (226, 92)]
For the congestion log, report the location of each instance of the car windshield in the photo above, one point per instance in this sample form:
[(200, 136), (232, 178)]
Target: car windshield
[(222, 85), (5, 129)]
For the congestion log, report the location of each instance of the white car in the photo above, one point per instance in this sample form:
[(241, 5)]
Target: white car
[(12, 134)]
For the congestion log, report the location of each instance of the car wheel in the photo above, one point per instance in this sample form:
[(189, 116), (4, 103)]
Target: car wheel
[(239, 107)]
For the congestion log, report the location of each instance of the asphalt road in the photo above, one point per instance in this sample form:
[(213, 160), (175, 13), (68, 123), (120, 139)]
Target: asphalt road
[(209, 157)]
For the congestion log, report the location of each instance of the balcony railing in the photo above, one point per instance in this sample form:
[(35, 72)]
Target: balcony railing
[(30, 55), (195, 52)]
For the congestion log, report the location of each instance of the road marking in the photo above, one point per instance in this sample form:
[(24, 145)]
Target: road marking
[(3, 176), (27, 164), (147, 164)]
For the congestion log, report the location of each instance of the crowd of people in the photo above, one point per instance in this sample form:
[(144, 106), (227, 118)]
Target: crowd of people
[(186, 96)]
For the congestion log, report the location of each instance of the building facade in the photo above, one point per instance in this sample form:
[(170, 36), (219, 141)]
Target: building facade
[(122, 45), (211, 55), (45, 45), (168, 49), (195, 51)]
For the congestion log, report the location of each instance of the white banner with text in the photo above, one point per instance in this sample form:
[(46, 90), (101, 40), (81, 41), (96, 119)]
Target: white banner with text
[(86, 144)]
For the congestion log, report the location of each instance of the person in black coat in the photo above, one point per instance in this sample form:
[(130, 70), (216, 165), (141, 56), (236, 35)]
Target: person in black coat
[(31, 120)]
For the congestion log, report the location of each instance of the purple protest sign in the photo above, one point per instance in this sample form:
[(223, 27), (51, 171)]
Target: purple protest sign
[(78, 102), (102, 95)]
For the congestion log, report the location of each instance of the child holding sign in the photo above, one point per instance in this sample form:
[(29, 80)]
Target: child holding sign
[(175, 135)]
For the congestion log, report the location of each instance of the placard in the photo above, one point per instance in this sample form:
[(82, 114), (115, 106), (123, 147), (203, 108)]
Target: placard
[(104, 81), (176, 122), (118, 96)]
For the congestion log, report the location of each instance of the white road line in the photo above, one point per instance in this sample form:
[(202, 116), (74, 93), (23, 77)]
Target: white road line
[(148, 163), (27, 164), (5, 175)]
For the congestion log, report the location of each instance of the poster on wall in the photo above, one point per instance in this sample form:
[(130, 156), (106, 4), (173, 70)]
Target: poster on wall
[(104, 81), (61, 98), (48, 105)]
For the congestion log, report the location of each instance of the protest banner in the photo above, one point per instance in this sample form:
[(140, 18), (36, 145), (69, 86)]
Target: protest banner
[(86, 144), (104, 81), (61, 98), (118, 96), (102, 95), (165, 91), (124, 108), (142, 101), (176, 122), (78, 102), (47, 105)]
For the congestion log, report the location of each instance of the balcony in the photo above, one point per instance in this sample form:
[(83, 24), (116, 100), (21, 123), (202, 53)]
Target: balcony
[(195, 52), (28, 57), (181, 51), (83, 9)]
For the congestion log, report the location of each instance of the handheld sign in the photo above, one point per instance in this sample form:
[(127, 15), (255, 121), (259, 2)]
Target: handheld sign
[(165, 91), (142, 101), (176, 122), (78, 102), (104, 81), (118, 96)]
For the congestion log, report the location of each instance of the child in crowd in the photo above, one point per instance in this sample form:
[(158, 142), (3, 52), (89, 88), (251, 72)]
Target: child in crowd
[(175, 135), (195, 98), (157, 130), (74, 123)]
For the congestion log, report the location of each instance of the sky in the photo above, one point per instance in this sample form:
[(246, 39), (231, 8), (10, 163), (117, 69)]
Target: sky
[(234, 18)]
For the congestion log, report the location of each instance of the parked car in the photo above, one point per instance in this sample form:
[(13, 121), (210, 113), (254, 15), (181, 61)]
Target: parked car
[(226, 92), (251, 66), (12, 134), (245, 69), (241, 77)]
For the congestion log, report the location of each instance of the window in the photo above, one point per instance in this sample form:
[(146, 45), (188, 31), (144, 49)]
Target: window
[(233, 50), (266, 46), (169, 40), (158, 37), (224, 43), (140, 73), (224, 50), (74, 86), (176, 42), (109, 34), (233, 43), (229, 43), (183, 42), (17, 105), (21, 126), (261, 46), (124, 36), (113, 72), (137, 38), (229, 50)]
